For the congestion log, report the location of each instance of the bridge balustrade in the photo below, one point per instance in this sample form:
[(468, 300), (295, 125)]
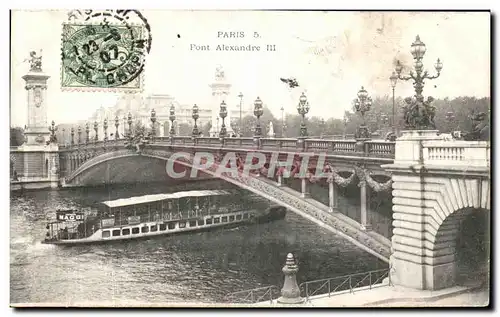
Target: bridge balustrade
[(457, 153), (381, 147)]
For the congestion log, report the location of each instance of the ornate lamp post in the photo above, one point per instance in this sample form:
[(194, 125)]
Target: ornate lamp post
[(117, 123), (450, 117), (105, 126), (394, 80), (282, 122), (96, 127), (419, 114), (241, 101), (195, 117), (172, 119), (72, 135), (322, 122), (362, 104), (87, 130), (384, 118), (303, 109), (153, 121), (345, 125), (223, 114), (258, 111), (129, 121), (79, 134)]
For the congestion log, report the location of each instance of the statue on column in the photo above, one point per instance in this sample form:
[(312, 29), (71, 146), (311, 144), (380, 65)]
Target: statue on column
[(35, 62)]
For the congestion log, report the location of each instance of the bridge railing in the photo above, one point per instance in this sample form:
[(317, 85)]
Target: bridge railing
[(370, 148), (328, 286), (457, 153), (256, 295)]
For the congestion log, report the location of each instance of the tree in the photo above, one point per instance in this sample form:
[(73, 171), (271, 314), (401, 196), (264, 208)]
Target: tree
[(16, 136)]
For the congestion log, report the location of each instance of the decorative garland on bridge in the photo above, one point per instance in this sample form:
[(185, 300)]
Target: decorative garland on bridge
[(366, 178), (334, 176)]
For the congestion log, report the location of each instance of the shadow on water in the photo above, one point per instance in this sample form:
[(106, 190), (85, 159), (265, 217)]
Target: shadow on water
[(203, 266)]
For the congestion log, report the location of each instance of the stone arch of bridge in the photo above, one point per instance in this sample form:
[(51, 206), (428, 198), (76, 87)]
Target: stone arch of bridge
[(427, 218)]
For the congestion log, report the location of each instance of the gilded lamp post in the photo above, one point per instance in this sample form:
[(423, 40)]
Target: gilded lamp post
[(362, 104), (172, 119), (223, 115), (303, 109), (258, 111), (195, 117), (419, 114)]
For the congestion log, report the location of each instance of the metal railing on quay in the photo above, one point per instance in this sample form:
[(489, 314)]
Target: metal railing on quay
[(343, 283), (256, 295)]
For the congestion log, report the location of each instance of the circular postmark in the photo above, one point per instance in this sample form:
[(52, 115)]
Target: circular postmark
[(108, 52)]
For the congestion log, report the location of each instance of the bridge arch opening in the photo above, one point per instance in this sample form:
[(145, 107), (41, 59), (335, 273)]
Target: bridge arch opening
[(463, 239)]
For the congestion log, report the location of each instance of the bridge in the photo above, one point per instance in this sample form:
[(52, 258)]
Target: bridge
[(82, 163), (435, 184)]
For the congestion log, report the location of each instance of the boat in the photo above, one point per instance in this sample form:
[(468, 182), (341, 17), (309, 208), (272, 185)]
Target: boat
[(159, 214)]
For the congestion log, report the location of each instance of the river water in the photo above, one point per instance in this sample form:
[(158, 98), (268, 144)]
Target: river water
[(200, 267)]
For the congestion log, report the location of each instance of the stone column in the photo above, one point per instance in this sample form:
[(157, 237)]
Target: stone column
[(304, 188), (365, 206), (332, 196)]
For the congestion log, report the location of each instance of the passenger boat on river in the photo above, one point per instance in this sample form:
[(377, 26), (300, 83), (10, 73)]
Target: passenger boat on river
[(160, 214)]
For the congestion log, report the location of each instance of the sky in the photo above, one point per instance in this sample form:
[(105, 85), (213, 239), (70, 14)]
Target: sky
[(331, 54)]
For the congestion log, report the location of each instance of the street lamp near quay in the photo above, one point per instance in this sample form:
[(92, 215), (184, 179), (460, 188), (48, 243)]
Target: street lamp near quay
[(394, 81), (223, 115), (303, 109), (419, 114)]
